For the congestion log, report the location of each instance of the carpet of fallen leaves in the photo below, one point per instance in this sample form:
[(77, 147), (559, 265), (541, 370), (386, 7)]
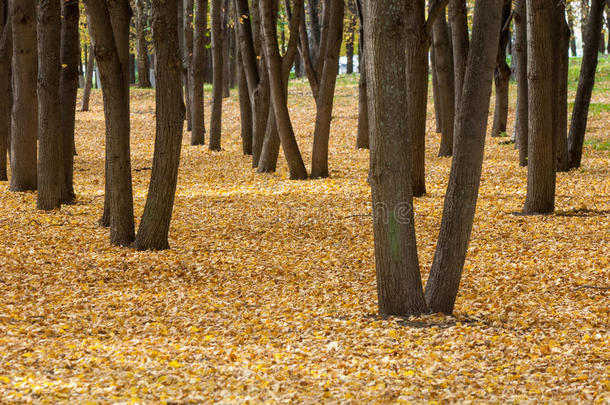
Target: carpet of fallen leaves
[(268, 293)]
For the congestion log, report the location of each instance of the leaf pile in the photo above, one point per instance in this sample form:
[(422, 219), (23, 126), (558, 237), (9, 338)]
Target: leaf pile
[(268, 293)]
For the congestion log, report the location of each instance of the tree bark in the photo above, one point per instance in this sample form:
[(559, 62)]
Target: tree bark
[(561, 56), (197, 73), (438, 125), (578, 123), (24, 118), (245, 108), (540, 197), (217, 86), (444, 74), (187, 52), (362, 137), (350, 33), (226, 51), (462, 191), (170, 110), (88, 81), (458, 17), (502, 74), (142, 44), (6, 96), (313, 8), (521, 120), (572, 36)]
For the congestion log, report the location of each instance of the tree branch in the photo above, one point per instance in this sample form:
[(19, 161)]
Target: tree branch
[(435, 10)]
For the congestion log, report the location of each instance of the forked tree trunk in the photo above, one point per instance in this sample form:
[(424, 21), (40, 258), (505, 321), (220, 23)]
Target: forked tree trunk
[(578, 123), (458, 17), (561, 56), (50, 154), (464, 179), (141, 21), (444, 74), (502, 74), (88, 80), (24, 118), (70, 57), (154, 228), (218, 84), (521, 120), (116, 113), (540, 197), (197, 73), (6, 96), (362, 137)]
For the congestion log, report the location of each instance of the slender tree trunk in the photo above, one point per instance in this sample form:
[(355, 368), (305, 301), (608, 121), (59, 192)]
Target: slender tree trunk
[(142, 44), (116, 112), (186, 25), (572, 36), (217, 60), (197, 73), (245, 108), (362, 138), (578, 123), (561, 56), (315, 29), (502, 75), (226, 51), (24, 128), (458, 16), (540, 198), (435, 92), (170, 110), (350, 34), (521, 120), (6, 96), (608, 26), (399, 287), (444, 74), (462, 191), (88, 81)]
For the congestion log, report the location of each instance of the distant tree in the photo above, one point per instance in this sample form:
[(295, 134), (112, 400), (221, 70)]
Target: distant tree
[(350, 35), (6, 96), (245, 107), (521, 120), (88, 80), (362, 137), (218, 83), (141, 22), (561, 56), (502, 74), (187, 54), (458, 17), (197, 73)]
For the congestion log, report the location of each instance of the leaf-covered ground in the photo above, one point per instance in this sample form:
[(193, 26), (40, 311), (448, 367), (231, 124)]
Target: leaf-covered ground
[(268, 293)]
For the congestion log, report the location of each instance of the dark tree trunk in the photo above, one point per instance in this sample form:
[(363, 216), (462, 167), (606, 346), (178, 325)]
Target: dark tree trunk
[(444, 74), (438, 125), (521, 120), (142, 44), (88, 81), (245, 108), (502, 74), (350, 33), (362, 138), (313, 8), (116, 111), (186, 31), (154, 228), (462, 191), (572, 36), (24, 128), (6, 96), (458, 17), (399, 287), (540, 198), (608, 26), (70, 56), (561, 56), (578, 123), (218, 84), (226, 50), (197, 73)]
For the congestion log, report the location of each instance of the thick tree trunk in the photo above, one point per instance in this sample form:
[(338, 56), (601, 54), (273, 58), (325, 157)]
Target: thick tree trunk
[(458, 17), (444, 74), (70, 57), (462, 191), (561, 56), (88, 81), (521, 120), (540, 198), (170, 110), (217, 60), (362, 137), (141, 21), (50, 154), (399, 287), (116, 111), (6, 96), (197, 73), (502, 75), (578, 123), (24, 118)]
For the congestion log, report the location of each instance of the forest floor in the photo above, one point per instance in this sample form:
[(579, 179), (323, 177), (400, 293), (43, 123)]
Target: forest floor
[(268, 293)]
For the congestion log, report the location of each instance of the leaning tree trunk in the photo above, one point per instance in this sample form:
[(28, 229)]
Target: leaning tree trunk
[(154, 228), (6, 96), (438, 124), (116, 113), (362, 137), (561, 53), (458, 16), (142, 45), (578, 124), (444, 74), (218, 83), (88, 81), (70, 57), (540, 197), (399, 287), (462, 191), (502, 74), (521, 121), (197, 73), (50, 154), (24, 118)]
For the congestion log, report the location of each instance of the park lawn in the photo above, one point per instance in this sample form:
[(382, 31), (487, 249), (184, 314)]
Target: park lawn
[(268, 293)]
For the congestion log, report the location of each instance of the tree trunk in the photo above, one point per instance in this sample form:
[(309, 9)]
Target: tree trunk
[(315, 29), (187, 51), (444, 74), (561, 56), (142, 44), (245, 109), (521, 120), (438, 125), (197, 73), (572, 36), (70, 56), (502, 75), (24, 118), (399, 287), (6, 96), (88, 81), (350, 33), (462, 191), (217, 61), (540, 198), (578, 124), (226, 50), (608, 26), (458, 17), (170, 110), (362, 138), (116, 112)]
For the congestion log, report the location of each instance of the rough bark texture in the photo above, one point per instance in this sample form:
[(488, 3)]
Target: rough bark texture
[(170, 110), (399, 287), (68, 87), (197, 73), (578, 123), (462, 191), (141, 21), (561, 56), (24, 118), (521, 120), (362, 137), (88, 81), (116, 112), (50, 156), (502, 75), (218, 83), (444, 74), (458, 17), (6, 96), (540, 198)]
